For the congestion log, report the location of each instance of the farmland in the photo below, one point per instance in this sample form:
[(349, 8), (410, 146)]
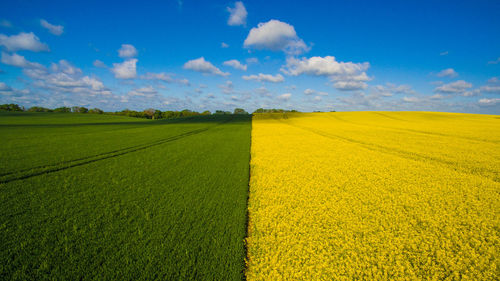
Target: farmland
[(374, 196), (276, 196), (110, 197)]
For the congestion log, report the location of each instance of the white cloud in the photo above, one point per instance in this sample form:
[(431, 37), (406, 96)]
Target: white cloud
[(165, 77), (236, 65), (227, 88), (263, 91), (62, 77), (127, 51), (309, 92), (449, 72), (323, 66), (490, 89), (322, 94), (411, 99), (162, 76), (285, 96), (347, 76), (459, 86), (444, 53), (203, 66), (350, 85), (252, 60), (100, 64), (183, 81), (23, 41), (224, 45), (317, 98), (54, 29), (275, 35), (436, 96), (125, 70), (238, 14), (278, 78), (497, 61), (390, 89), (489, 102), (493, 80), (18, 60), (4, 87), (147, 91)]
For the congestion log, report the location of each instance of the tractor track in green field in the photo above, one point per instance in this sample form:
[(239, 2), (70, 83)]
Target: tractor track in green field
[(41, 170)]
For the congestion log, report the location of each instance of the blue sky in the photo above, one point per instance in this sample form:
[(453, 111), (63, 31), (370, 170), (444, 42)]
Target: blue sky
[(208, 55)]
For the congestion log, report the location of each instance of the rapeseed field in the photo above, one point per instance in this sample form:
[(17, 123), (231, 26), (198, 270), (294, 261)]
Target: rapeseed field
[(374, 196)]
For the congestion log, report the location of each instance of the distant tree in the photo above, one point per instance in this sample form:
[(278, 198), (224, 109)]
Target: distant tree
[(157, 115), (240, 111), (219, 112), (10, 107), (79, 109), (273, 110), (150, 112), (206, 112), (39, 109), (62, 109), (96, 111)]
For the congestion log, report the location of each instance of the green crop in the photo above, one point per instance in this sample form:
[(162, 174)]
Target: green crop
[(113, 198)]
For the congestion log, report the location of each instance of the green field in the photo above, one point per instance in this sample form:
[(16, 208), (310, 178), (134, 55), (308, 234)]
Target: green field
[(109, 197)]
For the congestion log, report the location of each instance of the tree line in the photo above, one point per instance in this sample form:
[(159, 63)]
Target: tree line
[(149, 113)]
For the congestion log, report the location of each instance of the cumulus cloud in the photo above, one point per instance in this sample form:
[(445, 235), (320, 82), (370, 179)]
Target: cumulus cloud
[(449, 72), (493, 80), (275, 35), (98, 63), (495, 89), (127, 51), (489, 102), (162, 76), (309, 92), (63, 77), (263, 91), (227, 88), (323, 66), (165, 77), (18, 60), (411, 99), (389, 89), (236, 65), (54, 29), (347, 76), (278, 78), (4, 87), (285, 96), (147, 91), (23, 41), (125, 70), (203, 66), (224, 45), (444, 53), (456, 87), (252, 60), (350, 85), (238, 14)]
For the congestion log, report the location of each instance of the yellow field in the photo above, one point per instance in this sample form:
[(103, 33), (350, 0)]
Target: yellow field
[(374, 195)]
